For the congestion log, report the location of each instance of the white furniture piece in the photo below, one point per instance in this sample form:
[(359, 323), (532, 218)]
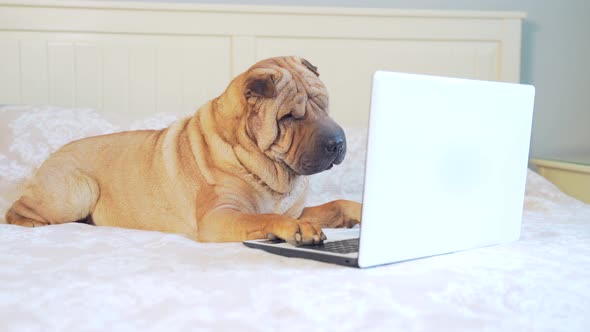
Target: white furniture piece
[(132, 58)]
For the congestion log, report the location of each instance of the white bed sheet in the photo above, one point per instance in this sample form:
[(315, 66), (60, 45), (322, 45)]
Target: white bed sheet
[(80, 277)]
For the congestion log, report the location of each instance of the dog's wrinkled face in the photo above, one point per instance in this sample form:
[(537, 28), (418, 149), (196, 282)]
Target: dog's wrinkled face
[(287, 115)]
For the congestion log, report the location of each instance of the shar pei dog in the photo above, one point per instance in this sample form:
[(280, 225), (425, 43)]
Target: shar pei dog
[(234, 171)]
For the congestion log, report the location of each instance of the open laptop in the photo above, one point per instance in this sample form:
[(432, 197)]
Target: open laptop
[(445, 171)]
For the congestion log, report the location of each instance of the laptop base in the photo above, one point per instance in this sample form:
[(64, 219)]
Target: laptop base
[(307, 254)]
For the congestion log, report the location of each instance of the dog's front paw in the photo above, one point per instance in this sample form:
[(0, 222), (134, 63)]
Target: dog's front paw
[(350, 213), (296, 232)]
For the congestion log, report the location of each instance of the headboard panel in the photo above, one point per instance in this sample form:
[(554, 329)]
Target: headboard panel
[(139, 58)]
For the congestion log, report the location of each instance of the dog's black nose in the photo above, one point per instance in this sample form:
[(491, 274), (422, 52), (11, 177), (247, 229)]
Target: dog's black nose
[(335, 144)]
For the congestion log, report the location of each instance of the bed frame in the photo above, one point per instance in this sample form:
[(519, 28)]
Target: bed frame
[(133, 58)]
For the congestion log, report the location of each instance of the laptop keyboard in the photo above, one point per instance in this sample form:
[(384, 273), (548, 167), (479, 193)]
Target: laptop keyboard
[(340, 247)]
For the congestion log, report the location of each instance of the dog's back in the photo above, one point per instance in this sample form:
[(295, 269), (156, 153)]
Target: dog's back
[(119, 179)]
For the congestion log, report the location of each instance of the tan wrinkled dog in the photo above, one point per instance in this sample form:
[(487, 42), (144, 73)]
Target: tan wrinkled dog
[(233, 171)]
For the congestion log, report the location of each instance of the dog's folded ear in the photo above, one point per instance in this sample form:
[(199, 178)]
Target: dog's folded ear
[(260, 85), (311, 67)]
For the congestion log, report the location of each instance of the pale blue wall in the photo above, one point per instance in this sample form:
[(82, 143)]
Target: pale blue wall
[(555, 58)]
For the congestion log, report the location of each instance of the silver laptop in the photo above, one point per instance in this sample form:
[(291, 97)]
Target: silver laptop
[(445, 171)]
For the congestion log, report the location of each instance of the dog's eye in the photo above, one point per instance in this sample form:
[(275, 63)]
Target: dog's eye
[(320, 101), (288, 117)]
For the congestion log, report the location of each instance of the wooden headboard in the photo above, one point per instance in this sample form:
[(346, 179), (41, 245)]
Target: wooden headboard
[(135, 58)]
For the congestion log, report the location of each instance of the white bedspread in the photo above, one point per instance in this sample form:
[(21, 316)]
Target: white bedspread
[(76, 277)]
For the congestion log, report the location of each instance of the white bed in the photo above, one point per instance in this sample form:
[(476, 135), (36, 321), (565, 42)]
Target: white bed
[(77, 277), (80, 277)]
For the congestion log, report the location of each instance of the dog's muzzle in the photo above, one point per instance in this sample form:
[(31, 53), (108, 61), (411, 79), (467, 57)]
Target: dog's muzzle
[(327, 149)]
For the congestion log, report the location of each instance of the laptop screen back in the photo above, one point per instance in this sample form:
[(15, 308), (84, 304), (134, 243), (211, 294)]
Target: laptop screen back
[(446, 165)]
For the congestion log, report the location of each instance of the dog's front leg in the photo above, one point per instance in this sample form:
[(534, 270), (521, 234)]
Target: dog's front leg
[(335, 214), (230, 225)]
